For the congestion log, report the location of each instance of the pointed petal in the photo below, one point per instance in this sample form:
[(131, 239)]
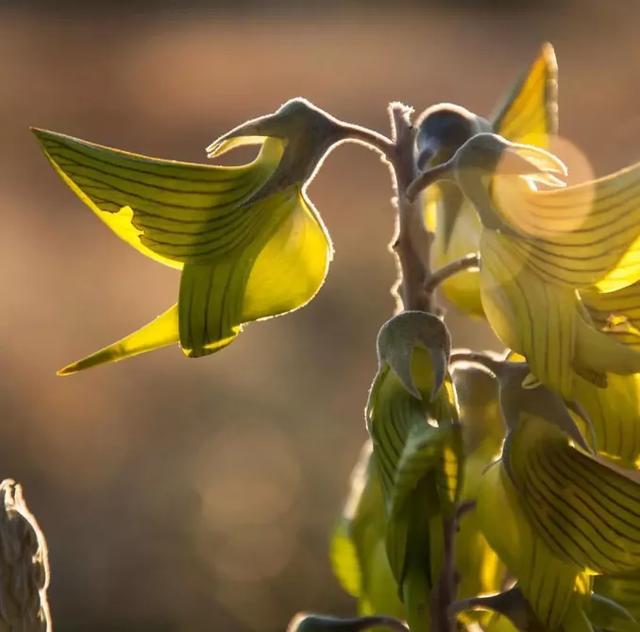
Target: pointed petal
[(547, 582), (228, 142), (585, 236), (514, 298), (585, 511), (160, 332), (529, 114), (170, 211), (615, 414), (525, 160)]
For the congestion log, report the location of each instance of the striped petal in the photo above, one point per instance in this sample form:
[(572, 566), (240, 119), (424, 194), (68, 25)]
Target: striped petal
[(624, 589), (587, 512), (584, 236), (614, 412), (550, 584), (173, 212), (528, 115), (358, 554), (280, 270), (480, 569), (531, 317), (530, 112)]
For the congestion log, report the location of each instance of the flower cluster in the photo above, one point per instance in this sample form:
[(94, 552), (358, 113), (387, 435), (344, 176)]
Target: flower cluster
[(494, 492)]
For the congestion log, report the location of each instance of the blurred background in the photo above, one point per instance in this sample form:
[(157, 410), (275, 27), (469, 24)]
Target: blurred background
[(185, 495)]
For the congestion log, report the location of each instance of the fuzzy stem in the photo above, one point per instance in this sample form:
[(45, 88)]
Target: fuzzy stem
[(370, 138), (412, 241)]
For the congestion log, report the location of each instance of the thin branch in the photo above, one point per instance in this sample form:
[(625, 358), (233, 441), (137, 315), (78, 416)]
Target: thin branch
[(485, 359), (468, 262), (412, 241), (442, 619), (464, 508), (371, 139)]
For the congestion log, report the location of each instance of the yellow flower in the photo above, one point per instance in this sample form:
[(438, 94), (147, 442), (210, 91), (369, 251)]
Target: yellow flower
[(358, 551), (247, 239), (555, 513), (540, 249), (529, 115), (412, 420)]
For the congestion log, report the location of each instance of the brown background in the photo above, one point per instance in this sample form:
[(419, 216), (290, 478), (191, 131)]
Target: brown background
[(198, 495)]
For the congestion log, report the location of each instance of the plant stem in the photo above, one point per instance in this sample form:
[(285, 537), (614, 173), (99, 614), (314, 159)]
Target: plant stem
[(371, 139), (444, 592), (414, 291), (412, 241), (467, 262)]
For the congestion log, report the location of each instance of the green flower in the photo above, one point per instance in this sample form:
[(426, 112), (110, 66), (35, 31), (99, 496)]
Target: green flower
[(358, 552), (247, 239), (529, 115), (417, 448), (540, 249), (556, 514)]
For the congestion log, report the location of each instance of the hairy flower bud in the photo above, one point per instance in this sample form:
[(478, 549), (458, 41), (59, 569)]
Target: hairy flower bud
[(24, 566)]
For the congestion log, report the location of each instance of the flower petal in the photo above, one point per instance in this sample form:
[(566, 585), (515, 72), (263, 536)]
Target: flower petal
[(160, 332), (586, 511), (530, 112), (546, 581), (280, 268), (170, 211)]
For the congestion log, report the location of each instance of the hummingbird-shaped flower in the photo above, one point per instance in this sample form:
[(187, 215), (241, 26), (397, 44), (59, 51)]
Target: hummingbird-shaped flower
[(541, 249), (358, 544), (412, 420), (556, 514), (247, 240), (529, 114), (358, 548)]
